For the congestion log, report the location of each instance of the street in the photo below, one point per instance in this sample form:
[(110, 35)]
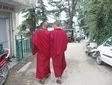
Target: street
[(81, 70)]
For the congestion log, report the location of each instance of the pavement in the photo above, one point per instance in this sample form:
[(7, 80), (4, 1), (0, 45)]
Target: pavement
[(81, 70)]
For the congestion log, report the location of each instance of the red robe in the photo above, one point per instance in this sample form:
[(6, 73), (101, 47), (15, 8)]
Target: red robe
[(40, 41), (58, 44)]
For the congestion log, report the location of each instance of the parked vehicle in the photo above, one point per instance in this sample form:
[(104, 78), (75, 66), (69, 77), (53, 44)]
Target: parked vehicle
[(90, 49), (78, 36), (69, 33), (82, 36), (105, 52), (4, 58)]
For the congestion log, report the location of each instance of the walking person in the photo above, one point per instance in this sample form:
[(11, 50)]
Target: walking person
[(58, 45), (40, 41)]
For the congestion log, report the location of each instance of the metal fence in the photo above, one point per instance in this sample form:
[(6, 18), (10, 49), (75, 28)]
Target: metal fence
[(23, 47)]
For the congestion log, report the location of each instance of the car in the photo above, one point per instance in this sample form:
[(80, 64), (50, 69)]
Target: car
[(105, 52)]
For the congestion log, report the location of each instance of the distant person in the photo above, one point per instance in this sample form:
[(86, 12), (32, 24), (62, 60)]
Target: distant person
[(58, 45), (78, 36), (40, 41)]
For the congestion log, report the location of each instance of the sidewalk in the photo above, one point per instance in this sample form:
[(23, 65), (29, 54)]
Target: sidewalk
[(81, 70)]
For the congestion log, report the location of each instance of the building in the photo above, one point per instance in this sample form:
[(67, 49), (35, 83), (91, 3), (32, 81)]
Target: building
[(8, 20)]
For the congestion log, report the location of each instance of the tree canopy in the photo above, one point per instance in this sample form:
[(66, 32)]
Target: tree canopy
[(97, 18), (40, 12)]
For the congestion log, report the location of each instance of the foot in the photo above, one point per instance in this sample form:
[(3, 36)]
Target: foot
[(59, 81), (47, 76), (42, 81)]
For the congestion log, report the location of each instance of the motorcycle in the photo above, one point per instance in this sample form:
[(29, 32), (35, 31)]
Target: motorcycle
[(4, 70)]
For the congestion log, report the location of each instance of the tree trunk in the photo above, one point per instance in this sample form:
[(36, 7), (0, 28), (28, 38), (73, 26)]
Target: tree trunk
[(72, 11), (71, 14), (43, 9)]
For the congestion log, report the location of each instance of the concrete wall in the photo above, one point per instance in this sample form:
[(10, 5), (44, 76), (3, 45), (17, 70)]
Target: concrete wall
[(11, 22)]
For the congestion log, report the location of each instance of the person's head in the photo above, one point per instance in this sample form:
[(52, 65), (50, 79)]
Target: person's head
[(44, 24), (56, 24)]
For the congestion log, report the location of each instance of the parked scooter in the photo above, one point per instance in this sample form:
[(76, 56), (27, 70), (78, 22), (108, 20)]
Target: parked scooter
[(90, 49), (4, 59)]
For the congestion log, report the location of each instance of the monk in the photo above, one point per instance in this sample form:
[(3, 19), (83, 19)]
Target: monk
[(40, 41), (58, 40)]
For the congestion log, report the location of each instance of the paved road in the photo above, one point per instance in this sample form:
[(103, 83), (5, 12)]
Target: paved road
[(81, 70)]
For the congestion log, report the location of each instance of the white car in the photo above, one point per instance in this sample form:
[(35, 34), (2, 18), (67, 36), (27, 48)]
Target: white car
[(105, 52)]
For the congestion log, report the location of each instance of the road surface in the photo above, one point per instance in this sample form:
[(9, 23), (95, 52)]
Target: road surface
[(81, 70)]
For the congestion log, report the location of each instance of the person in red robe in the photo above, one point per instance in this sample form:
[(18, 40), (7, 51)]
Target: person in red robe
[(40, 41), (58, 40)]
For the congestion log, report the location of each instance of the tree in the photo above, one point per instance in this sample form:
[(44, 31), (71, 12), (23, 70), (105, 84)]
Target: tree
[(98, 19), (33, 16), (72, 12), (69, 6), (41, 10), (30, 21)]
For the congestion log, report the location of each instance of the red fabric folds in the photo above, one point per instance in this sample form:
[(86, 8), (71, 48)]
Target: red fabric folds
[(40, 42), (58, 43)]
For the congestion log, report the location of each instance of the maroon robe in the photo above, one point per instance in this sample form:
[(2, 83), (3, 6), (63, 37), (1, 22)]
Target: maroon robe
[(40, 42), (58, 44)]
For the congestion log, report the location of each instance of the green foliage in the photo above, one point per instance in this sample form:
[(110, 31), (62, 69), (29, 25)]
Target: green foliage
[(30, 20), (32, 17), (98, 19)]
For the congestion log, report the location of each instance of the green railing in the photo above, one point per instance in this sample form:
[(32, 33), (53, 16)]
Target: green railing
[(23, 47)]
